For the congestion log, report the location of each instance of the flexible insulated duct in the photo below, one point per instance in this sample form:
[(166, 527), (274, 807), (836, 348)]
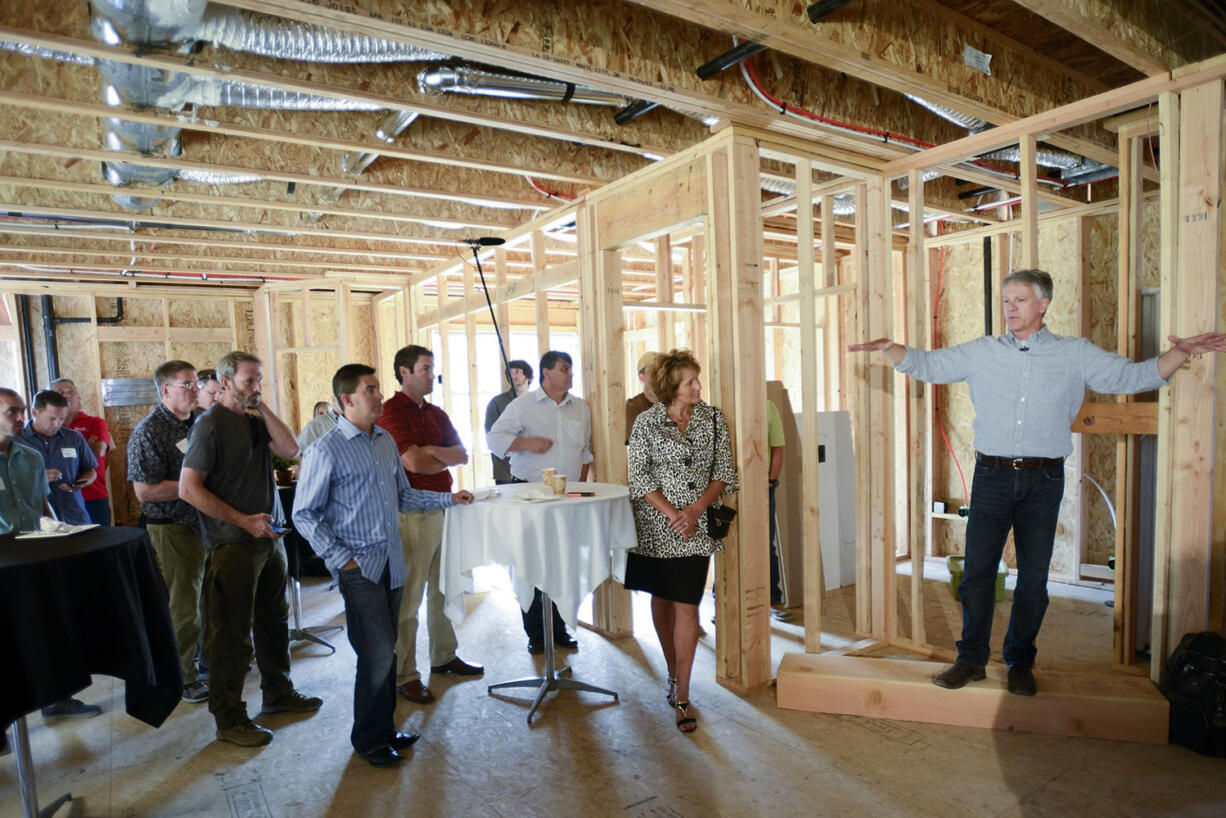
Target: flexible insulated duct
[(182, 24), (170, 23), (1045, 157)]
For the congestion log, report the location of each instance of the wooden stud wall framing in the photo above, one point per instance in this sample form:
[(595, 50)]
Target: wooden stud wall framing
[(810, 514), (735, 279), (861, 420), (297, 320), (919, 406), (160, 323), (1127, 481), (1190, 559), (1186, 408), (602, 332)]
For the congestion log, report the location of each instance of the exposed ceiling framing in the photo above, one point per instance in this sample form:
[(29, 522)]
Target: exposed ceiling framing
[(460, 169)]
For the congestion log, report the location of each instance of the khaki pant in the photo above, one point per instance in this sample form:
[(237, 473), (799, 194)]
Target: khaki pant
[(421, 534), (181, 557)]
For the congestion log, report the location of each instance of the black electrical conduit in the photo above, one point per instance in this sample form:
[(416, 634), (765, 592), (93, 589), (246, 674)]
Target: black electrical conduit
[(27, 342), (50, 322), (988, 286)]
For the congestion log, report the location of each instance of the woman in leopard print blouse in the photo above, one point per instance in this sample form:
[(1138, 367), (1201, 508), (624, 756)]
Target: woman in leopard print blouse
[(680, 462)]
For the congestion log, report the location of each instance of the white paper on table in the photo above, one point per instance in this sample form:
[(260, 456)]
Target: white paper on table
[(534, 496), (54, 528), (487, 494)]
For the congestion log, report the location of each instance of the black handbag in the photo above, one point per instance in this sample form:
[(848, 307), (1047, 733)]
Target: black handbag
[(719, 518)]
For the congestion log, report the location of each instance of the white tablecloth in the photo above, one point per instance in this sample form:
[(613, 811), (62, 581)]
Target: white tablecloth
[(565, 547)]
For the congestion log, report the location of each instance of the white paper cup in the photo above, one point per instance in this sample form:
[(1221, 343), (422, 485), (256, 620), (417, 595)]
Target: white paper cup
[(559, 484), (547, 476)]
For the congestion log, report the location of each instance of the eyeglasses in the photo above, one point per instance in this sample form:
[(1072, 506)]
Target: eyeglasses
[(189, 385)]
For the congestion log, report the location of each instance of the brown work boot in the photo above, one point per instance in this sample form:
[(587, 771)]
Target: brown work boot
[(246, 734), (292, 702)]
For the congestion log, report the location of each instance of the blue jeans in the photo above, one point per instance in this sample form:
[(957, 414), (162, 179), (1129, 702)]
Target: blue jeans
[(775, 588), (1028, 501), (372, 611)]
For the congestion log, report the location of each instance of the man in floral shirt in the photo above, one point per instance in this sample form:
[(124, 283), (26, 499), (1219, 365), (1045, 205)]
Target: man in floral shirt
[(155, 456)]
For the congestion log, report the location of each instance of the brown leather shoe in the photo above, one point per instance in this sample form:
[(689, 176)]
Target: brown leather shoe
[(416, 692), (459, 667)]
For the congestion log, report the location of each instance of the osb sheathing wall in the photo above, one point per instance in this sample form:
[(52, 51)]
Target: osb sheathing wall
[(304, 377), (960, 312), (152, 331)]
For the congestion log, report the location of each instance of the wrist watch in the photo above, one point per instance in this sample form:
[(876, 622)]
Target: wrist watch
[(773, 483)]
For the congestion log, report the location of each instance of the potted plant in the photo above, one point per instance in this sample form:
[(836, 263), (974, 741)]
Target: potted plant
[(283, 469)]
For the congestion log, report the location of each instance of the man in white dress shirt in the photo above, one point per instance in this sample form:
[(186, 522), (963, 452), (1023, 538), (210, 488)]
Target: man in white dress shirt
[(546, 428)]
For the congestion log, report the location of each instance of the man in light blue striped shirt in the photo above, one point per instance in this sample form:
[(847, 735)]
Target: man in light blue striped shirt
[(1027, 387), (347, 505)]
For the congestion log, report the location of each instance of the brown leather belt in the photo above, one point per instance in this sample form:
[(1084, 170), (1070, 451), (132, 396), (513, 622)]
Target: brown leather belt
[(1018, 463)]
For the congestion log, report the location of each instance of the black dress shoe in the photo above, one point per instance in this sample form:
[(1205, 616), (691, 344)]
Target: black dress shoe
[(536, 646), (385, 756), (563, 639), (1021, 681), (958, 675), (459, 667), (402, 741)]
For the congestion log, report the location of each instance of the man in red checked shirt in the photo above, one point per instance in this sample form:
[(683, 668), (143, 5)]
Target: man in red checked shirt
[(98, 436), (428, 446)]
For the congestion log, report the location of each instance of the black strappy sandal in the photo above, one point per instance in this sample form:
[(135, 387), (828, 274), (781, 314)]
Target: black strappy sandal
[(687, 723)]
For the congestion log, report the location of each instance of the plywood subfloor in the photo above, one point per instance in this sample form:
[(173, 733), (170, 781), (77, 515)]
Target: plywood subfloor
[(588, 756)]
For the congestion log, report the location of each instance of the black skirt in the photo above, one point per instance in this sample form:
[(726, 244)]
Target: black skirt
[(677, 579)]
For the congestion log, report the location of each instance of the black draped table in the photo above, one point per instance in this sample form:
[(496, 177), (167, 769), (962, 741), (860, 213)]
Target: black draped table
[(92, 602)]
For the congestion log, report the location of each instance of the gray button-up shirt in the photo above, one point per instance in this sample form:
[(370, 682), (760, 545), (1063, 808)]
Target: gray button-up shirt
[(1026, 401)]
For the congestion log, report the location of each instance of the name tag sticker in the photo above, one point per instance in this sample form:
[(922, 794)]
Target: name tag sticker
[(70, 453), (182, 445)]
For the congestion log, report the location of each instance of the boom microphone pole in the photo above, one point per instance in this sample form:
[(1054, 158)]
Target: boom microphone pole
[(490, 241)]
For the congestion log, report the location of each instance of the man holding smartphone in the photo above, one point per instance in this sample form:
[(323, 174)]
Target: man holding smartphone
[(67, 458), (98, 436), (227, 475)]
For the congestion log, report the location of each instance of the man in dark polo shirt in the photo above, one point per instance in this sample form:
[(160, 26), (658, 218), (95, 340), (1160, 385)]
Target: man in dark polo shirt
[(428, 446), (98, 437), (227, 476), (70, 463), (155, 457)]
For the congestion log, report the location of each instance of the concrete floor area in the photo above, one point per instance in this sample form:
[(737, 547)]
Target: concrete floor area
[(586, 755)]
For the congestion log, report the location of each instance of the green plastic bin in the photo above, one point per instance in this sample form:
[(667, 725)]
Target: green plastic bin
[(954, 563)]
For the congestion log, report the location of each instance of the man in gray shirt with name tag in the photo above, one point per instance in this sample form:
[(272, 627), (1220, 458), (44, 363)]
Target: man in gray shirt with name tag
[(1027, 387)]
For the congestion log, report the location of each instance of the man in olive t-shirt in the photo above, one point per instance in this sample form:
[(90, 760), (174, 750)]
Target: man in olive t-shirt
[(227, 475)]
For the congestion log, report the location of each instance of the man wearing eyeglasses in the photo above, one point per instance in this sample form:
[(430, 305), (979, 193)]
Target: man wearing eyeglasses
[(155, 456)]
